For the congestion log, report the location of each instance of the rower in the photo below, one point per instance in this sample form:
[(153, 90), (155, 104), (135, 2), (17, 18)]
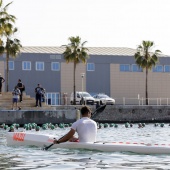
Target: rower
[(85, 127)]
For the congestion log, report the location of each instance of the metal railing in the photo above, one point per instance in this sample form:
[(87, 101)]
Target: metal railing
[(142, 101), (122, 101)]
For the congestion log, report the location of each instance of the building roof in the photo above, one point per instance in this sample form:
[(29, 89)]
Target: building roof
[(92, 50), (119, 51)]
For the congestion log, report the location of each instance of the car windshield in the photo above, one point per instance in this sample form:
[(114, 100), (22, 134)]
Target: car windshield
[(103, 96), (85, 94)]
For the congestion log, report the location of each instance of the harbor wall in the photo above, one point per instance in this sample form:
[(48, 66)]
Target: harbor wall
[(69, 114)]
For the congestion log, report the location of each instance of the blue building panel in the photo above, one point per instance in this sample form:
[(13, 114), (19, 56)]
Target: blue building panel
[(48, 78)]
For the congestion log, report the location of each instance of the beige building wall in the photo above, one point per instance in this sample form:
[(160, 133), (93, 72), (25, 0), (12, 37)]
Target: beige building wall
[(2, 71), (129, 87), (67, 79)]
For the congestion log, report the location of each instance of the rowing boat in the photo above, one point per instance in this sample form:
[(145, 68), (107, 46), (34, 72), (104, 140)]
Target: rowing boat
[(41, 140)]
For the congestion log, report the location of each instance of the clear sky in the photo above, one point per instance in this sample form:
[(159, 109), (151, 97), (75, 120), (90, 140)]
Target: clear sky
[(102, 23)]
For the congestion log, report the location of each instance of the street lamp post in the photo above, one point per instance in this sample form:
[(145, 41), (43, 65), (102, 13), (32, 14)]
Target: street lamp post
[(82, 76)]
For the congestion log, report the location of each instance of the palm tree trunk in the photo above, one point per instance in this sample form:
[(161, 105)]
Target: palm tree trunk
[(7, 65), (146, 86), (74, 82), (7, 71)]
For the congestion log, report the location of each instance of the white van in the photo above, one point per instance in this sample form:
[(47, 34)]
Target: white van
[(82, 98)]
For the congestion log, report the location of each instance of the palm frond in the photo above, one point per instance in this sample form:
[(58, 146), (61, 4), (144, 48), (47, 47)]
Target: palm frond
[(1, 3), (75, 51), (6, 6)]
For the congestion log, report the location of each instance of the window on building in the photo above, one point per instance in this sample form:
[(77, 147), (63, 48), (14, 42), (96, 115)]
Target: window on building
[(136, 68), (11, 65), (40, 66), (26, 65), (167, 68), (90, 67), (53, 99), (124, 67), (55, 66), (158, 68)]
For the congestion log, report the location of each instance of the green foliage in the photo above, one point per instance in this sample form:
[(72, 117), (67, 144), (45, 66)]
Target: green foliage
[(75, 52), (8, 44), (146, 59)]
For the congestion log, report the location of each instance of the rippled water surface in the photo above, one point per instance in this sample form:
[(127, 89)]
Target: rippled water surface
[(24, 158)]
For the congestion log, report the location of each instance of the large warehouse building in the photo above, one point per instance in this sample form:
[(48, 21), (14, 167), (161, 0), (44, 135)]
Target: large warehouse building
[(108, 70)]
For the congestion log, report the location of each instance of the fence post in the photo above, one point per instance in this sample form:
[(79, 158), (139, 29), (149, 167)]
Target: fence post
[(142, 100), (123, 100), (77, 114), (160, 102)]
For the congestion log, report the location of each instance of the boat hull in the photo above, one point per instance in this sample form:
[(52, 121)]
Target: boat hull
[(42, 140)]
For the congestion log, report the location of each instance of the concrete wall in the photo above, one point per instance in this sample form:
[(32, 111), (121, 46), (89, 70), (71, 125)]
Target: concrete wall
[(121, 114), (65, 114), (38, 117)]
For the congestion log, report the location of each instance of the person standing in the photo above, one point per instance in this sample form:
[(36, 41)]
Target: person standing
[(85, 127), (16, 93), (2, 80), (21, 88), (65, 98), (38, 95), (43, 95)]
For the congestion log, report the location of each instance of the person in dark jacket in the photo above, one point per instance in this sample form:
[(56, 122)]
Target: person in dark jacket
[(1, 81), (21, 88), (38, 95)]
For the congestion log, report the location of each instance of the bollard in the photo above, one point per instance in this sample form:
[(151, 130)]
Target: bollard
[(77, 114)]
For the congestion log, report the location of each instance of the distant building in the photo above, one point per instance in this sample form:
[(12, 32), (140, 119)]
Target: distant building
[(109, 70)]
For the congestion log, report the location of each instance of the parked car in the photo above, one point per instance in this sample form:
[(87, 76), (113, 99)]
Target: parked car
[(104, 99), (82, 98)]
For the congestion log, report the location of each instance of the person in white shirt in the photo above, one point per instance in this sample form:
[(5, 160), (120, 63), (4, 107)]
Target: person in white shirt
[(16, 93), (85, 127)]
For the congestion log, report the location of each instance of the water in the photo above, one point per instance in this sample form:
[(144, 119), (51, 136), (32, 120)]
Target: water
[(25, 158)]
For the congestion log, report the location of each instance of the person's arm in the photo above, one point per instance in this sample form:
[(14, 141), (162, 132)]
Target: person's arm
[(3, 80), (66, 137)]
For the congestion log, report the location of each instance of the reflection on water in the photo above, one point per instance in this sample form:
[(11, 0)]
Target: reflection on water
[(25, 158)]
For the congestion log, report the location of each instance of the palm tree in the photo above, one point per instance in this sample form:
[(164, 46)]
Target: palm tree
[(75, 52), (12, 48), (6, 20), (146, 60), (9, 45)]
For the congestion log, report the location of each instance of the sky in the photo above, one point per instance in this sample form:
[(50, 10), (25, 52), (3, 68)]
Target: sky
[(102, 23)]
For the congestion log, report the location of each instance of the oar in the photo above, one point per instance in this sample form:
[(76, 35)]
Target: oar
[(47, 147), (98, 110)]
